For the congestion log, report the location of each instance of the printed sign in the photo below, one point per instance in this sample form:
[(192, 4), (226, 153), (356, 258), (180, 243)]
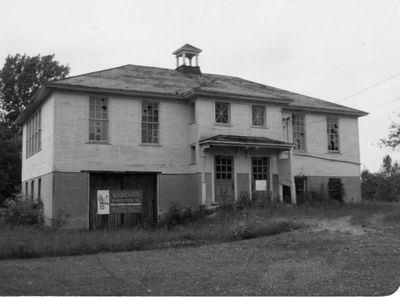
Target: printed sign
[(119, 201), (103, 202), (261, 185)]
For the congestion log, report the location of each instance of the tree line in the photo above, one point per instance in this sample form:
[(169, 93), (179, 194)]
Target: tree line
[(384, 184)]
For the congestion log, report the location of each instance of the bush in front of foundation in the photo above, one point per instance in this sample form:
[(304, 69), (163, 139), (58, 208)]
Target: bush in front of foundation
[(177, 215), (23, 211)]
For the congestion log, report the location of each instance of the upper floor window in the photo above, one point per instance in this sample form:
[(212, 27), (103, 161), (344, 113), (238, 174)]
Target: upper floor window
[(258, 116), (333, 134), (33, 134), (222, 112), (98, 119), (150, 123), (299, 132)]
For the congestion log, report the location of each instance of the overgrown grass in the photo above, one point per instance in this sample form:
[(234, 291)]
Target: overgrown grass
[(31, 241), (392, 217)]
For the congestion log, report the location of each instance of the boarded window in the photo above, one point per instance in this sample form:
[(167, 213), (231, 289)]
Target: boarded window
[(258, 116), (33, 142), (333, 134), (98, 119), (335, 189), (150, 122), (298, 132), (222, 112)]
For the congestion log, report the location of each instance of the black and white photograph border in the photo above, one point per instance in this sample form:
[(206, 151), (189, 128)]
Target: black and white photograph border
[(207, 148)]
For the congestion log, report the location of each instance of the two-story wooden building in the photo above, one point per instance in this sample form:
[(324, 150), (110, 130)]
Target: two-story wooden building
[(179, 136)]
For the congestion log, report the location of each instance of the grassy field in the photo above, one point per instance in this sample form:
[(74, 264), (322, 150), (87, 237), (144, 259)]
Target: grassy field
[(33, 241), (353, 250)]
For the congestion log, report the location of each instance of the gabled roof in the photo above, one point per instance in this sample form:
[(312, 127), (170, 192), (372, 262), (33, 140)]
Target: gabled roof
[(250, 141), (187, 48), (143, 81)]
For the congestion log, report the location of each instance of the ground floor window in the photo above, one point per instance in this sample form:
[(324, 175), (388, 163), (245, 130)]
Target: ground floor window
[(335, 189), (301, 188), (260, 168), (32, 189)]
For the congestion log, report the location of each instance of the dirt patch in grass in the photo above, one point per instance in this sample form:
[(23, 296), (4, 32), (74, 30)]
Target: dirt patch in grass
[(341, 224)]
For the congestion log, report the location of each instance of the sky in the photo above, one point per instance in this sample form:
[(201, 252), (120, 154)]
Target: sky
[(343, 51)]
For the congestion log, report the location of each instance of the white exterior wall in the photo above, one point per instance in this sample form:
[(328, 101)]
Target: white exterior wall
[(41, 162), (317, 161), (124, 152), (240, 113), (67, 138)]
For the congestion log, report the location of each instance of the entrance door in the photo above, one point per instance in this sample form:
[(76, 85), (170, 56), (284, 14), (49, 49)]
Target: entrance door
[(224, 187), (260, 171), (130, 181)]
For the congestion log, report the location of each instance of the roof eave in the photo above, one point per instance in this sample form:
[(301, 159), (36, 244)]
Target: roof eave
[(247, 144), (357, 113), (39, 97), (49, 87), (200, 93)]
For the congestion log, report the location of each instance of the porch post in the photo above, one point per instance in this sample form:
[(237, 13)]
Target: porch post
[(292, 184), (203, 176)]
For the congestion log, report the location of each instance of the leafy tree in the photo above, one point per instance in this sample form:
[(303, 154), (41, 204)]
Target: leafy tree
[(393, 139), (383, 185), (369, 184), (20, 78)]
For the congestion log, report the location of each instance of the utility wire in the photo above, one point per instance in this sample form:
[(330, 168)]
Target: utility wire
[(368, 88)]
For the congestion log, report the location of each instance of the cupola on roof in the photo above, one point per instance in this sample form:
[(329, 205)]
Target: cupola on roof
[(187, 52)]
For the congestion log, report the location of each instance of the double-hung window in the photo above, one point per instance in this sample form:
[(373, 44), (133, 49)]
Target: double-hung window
[(222, 113), (150, 122), (333, 134), (258, 116), (98, 119), (33, 141), (299, 132)]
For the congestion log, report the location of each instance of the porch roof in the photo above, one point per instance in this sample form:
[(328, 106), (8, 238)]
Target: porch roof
[(245, 141)]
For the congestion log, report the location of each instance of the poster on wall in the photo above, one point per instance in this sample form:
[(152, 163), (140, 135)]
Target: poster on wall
[(103, 202), (261, 185), (119, 201)]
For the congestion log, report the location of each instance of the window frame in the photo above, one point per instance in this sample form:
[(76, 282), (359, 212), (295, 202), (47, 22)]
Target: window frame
[(101, 120), (303, 116), (39, 190), (228, 113), (193, 155), (32, 189), (264, 125), (328, 120), (143, 103), (33, 135)]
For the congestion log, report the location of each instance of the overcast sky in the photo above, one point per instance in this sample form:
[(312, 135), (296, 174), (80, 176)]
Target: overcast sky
[(325, 49)]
